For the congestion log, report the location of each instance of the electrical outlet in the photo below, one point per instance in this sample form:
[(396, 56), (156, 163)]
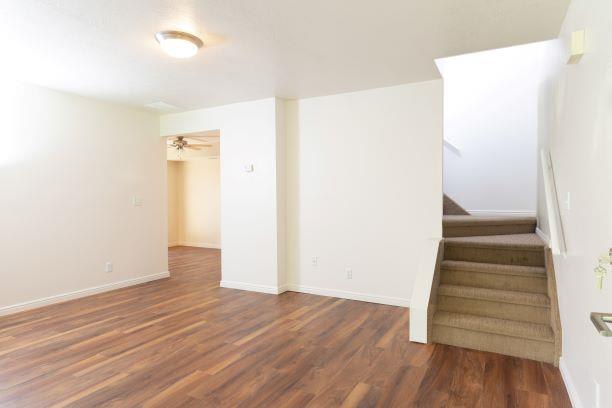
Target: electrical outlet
[(314, 261), (349, 273), (108, 268)]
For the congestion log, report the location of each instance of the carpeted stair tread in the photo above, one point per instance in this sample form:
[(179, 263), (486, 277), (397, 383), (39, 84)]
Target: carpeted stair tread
[(513, 241), (495, 295), (496, 343), (499, 269), (513, 328), (469, 220)]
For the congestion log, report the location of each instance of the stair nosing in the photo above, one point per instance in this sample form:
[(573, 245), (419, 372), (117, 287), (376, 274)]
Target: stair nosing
[(489, 242), (487, 221), (443, 286), (450, 265), (530, 325), (494, 245)]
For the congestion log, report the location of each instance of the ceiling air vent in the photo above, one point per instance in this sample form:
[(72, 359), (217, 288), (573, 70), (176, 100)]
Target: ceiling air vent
[(163, 107)]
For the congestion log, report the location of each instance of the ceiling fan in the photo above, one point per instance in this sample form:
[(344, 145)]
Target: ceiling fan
[(180, 143)]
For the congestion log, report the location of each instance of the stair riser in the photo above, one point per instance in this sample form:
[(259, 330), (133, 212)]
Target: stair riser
[(496, 255), (499, 310), (475, 230), (512, 346), (494, 281)]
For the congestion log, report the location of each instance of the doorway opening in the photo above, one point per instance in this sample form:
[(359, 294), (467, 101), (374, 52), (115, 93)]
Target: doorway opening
[(194, 187)]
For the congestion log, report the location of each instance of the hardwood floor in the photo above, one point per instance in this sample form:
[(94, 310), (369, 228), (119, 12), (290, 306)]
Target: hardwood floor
[(184, 341)]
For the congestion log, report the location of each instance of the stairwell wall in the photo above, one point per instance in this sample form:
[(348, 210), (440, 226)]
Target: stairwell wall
[(491, 117), (581, 148)]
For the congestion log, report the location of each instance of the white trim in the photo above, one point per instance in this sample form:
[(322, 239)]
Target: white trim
[(542, 235), (274, 290), (503, 213), (292, 287), (569, 384), (343, 294), (200, 245), (33, 304), (421, 291)]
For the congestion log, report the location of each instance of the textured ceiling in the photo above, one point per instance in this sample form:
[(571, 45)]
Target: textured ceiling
[(256, 49)]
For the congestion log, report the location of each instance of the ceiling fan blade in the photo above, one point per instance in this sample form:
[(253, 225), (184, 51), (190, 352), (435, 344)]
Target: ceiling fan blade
[(192, 148), (195, 139), (199, 145)]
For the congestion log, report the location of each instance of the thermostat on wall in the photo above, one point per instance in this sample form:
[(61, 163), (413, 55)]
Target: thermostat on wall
[(248, 168)]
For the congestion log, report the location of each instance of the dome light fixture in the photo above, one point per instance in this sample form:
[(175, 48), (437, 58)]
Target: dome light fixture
[(178, 44)]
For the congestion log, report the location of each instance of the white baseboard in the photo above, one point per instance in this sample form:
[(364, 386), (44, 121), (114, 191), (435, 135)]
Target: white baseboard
[(200, 245), (364, 297), (33, 304), (503, 213), (569, 384), (291, 287), (275, 290), (542, 235), (173, 244)]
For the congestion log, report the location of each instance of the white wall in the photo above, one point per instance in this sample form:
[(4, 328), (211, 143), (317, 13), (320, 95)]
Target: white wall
[(353, 179), (491, 116), (194, 189), (174, 205), (69, 167), (581, 149), (364, 189), (250, 202)]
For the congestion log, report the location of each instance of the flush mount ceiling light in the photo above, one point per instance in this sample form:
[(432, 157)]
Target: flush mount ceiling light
[(178, 44)]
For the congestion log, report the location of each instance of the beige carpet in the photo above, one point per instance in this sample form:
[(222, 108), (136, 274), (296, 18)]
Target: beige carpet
[(493, 292), (450, 207)]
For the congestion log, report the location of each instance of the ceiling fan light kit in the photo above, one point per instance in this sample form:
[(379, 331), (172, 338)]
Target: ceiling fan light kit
[(180, 144)]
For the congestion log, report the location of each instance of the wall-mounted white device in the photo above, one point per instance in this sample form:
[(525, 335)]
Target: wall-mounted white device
[(248, 168), (577, 46)]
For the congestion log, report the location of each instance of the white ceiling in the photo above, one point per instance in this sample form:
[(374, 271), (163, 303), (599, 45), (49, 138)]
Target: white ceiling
[(257, 49)]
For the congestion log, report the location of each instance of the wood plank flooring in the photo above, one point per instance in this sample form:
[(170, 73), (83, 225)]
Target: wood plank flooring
[(184, 341)]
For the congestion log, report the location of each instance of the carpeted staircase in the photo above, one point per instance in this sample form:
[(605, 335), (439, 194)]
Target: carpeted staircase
[(451, 207), (496, 289)]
